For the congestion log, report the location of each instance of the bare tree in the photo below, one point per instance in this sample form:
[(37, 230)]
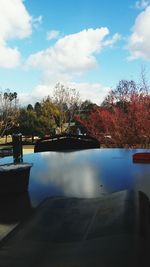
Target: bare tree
[(68, 101), (144, 86), (8, 111)]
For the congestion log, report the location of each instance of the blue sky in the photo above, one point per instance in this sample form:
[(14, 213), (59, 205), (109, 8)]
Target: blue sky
[(87, 45)]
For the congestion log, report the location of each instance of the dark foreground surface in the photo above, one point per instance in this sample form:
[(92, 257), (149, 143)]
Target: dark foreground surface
[(73, 232)]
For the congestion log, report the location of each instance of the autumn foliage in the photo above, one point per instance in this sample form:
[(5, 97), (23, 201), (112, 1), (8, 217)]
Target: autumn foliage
[(123, 118)]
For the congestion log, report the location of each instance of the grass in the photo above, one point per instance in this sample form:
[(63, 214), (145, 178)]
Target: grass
[(7, 146), (3, 140), (28, 149)]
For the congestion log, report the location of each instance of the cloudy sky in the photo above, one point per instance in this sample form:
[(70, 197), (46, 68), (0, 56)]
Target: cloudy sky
[(87, 45)]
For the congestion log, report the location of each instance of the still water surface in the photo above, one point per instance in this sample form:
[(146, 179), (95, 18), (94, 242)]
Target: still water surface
[(87, 173), (84, 174)]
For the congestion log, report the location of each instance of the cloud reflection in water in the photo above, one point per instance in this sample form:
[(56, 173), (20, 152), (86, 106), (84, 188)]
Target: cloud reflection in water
[(74, 177)]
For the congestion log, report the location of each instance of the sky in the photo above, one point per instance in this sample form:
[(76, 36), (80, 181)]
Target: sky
[(86, 45)]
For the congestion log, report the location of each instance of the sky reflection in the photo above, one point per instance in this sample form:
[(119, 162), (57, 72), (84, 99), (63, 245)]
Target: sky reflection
[(73, 176), (87, 173), (83, 174)]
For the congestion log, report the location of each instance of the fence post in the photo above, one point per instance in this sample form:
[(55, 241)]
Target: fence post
[(17, 148)]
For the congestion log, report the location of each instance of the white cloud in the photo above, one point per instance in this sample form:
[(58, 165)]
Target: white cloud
[(94, 92), (9, 58), (37, 21), (72, 55), (142, 4), (68, 58), (116, 37), (139, 41), (37, 94), (52, 35), (15, 23)]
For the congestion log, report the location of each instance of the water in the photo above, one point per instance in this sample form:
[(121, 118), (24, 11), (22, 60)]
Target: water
[(82, 174), (87, 173)]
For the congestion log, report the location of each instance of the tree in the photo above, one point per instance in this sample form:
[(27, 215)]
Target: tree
[(121, 95), (37, 108), (86, 108), (29, 107), (97, 123), (8, 111), (129, 106), (49, 115), (68, 101), (124, 115), (40, 120), (28, 122)]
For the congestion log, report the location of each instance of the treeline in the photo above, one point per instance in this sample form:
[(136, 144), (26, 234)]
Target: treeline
[(52, 115), (122, 119)]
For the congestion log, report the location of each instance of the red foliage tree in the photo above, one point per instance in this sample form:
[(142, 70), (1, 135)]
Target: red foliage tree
[(124, 115)]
